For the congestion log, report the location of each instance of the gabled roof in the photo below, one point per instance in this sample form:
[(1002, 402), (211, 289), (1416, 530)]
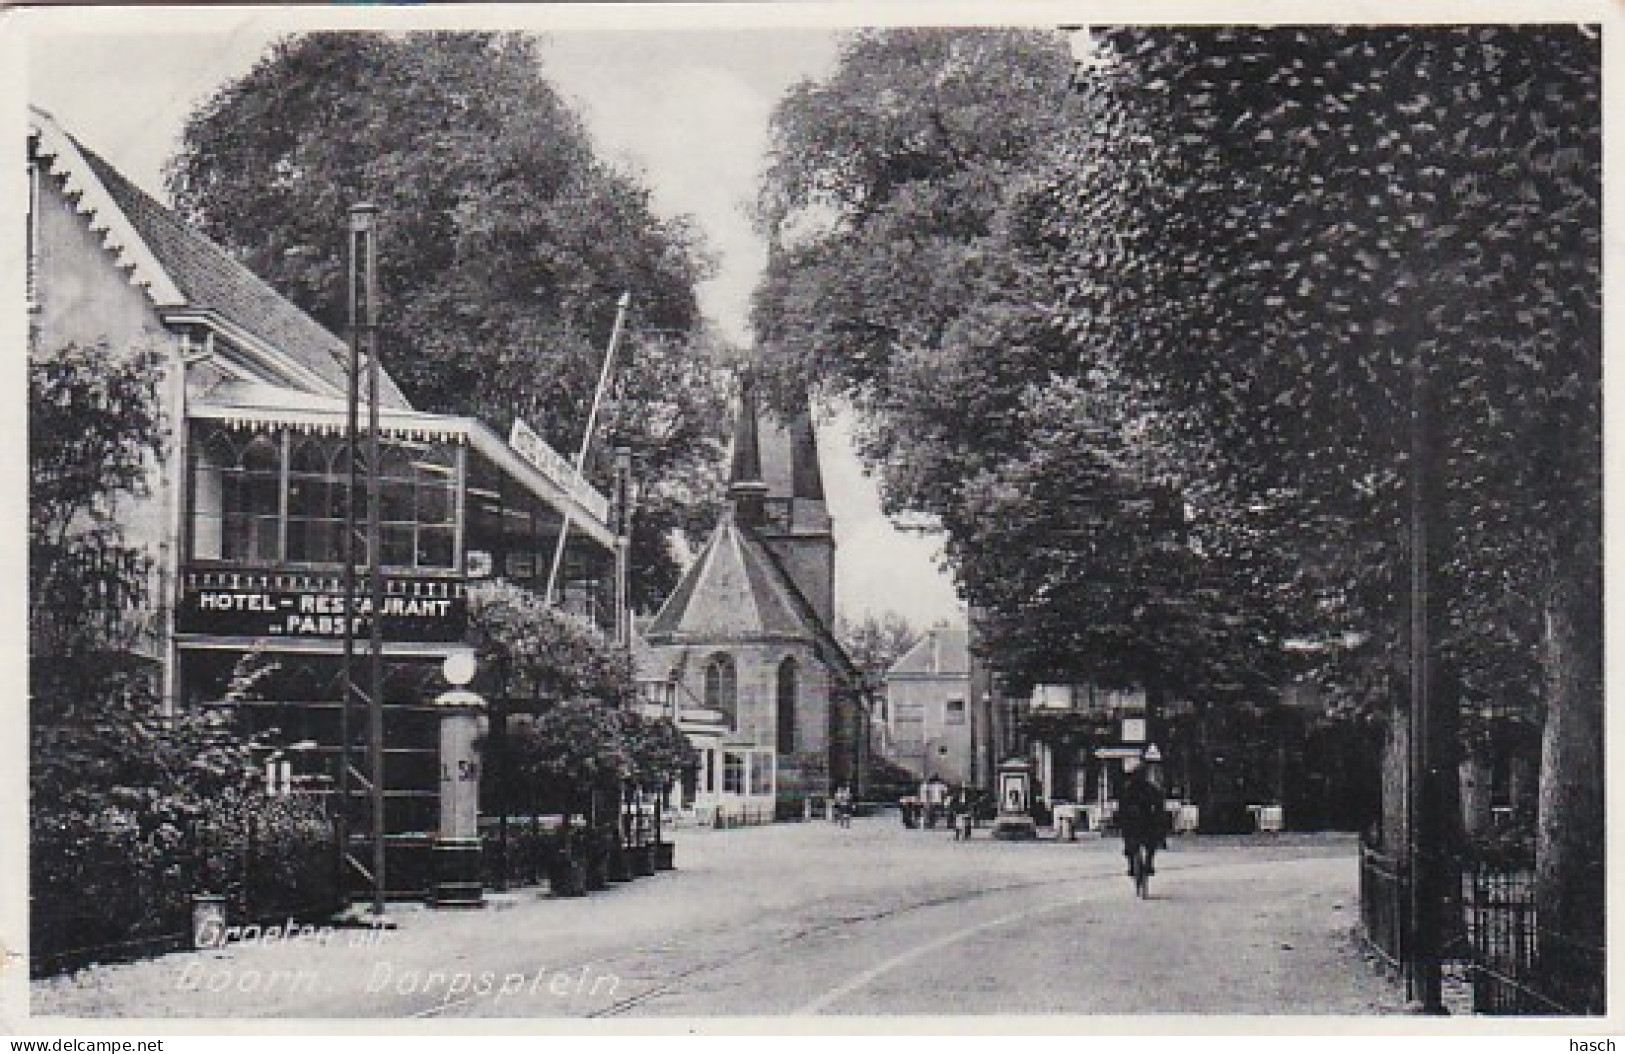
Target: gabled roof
[(181, 269), (734, 590), (737, 591), (944, 651)]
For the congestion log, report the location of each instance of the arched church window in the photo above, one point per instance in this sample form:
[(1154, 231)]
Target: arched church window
[(722, 685), (787, 689)]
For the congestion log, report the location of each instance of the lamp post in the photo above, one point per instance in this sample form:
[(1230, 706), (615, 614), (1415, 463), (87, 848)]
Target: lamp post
[(623, 545), (363, 311)]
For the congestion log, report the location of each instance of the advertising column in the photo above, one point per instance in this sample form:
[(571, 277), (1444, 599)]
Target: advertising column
[(458, 882)]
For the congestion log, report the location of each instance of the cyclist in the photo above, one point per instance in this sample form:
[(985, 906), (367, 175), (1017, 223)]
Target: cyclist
[(1142, 816)]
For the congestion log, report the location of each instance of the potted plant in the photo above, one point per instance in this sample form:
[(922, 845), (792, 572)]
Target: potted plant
[(567, 872), (595, 859), (661, 753), (562, 683)]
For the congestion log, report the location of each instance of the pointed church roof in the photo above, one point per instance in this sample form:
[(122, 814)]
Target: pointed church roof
[(737, 590), (734, 590), (789, 455), (780, 452), (745, 465)]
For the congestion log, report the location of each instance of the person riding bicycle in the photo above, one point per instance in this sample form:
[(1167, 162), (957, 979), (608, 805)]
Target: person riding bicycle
[(1142, 816)]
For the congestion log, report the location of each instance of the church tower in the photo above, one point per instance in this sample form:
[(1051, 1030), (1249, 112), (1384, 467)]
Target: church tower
[(796, 524), (768, 695)]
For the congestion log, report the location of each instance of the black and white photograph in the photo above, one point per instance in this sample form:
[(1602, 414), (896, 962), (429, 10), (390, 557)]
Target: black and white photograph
[(818, 514)]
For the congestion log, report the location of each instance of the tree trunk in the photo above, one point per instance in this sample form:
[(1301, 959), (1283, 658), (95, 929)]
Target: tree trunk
[(1569, 854), (1394, 830)]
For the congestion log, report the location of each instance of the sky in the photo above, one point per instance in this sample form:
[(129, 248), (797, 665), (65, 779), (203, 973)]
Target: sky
[(687, 107)]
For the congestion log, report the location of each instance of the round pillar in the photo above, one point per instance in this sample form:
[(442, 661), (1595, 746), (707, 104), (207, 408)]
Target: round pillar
[(458, 881)]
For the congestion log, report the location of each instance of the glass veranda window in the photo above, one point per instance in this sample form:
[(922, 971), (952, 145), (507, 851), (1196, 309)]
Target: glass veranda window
[(237, 498), (247, 506)]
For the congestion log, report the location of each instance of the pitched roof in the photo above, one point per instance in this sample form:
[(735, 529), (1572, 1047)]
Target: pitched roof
[(737, 590), (180, 268), (944, 651)]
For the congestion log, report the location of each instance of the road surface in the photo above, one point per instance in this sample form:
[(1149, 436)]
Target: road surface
[(810, 919)]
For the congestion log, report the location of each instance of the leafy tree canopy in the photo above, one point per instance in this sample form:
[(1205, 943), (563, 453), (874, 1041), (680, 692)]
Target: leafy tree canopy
[(900, 280), (95, 433), (1265, 270), (875, 642), (505, 241)]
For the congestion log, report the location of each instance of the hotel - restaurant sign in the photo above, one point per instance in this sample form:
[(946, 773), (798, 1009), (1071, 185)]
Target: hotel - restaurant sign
[(312, 606)]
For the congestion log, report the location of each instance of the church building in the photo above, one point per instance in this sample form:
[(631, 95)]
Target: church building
[(745, 642)]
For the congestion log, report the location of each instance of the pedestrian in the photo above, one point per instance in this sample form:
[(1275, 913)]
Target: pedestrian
[(936, 800), (964, 815), (1142, 816), (843, 805)]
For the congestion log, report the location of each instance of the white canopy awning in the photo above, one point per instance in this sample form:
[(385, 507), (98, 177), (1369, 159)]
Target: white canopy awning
[(246, 404)]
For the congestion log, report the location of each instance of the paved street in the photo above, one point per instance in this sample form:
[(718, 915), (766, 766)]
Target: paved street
[(811, 919)]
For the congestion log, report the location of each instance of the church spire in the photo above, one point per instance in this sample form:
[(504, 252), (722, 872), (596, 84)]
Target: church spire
[(746, 490)]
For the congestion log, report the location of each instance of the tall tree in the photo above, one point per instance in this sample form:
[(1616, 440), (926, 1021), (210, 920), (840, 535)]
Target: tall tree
[(504, 244), (1269, 241), (1338, 220), (900, 282)]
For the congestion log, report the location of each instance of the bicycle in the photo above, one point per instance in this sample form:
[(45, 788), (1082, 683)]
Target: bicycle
[(1140, 866)]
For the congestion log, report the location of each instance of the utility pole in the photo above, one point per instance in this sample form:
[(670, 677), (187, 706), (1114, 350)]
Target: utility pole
[(363, 689), (1425, 829)]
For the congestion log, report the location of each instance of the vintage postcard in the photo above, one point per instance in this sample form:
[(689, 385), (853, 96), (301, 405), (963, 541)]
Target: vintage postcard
[(896, 518)]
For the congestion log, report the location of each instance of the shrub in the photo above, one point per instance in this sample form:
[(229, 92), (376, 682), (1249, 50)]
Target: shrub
[(531, 652), (133, 811)]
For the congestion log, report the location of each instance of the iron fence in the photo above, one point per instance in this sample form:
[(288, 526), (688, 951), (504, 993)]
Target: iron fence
[(1492, 934), (1518, 966), (1384, 904)]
